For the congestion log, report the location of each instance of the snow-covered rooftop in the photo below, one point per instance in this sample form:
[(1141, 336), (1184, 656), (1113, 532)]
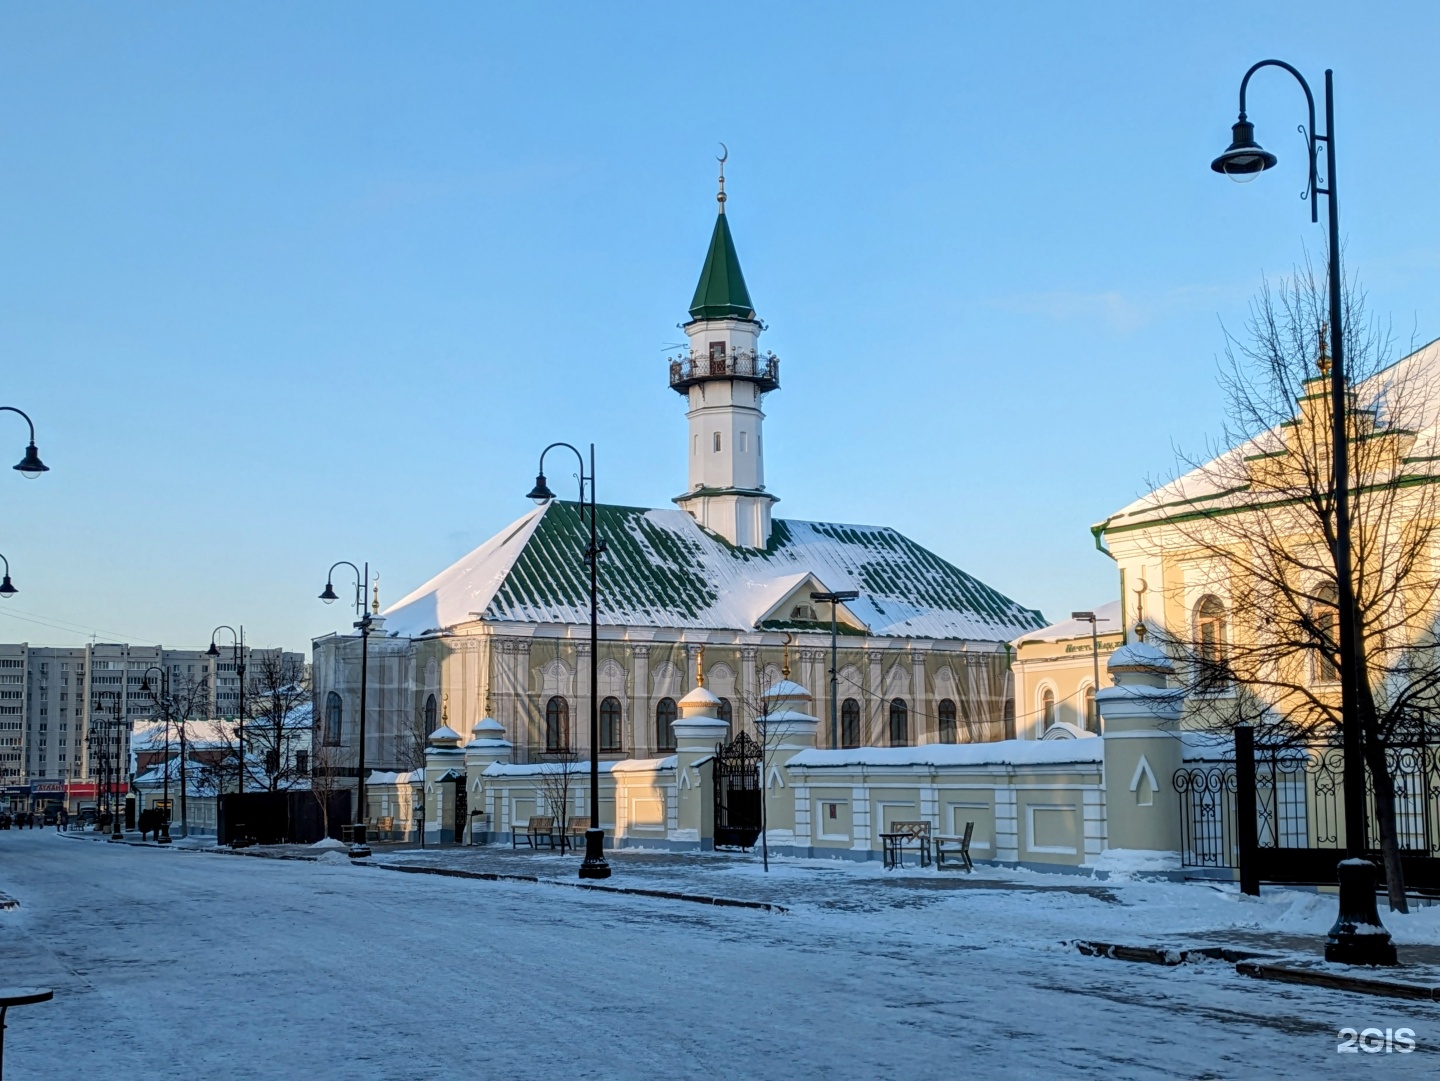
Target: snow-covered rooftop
[(1108, 622), (662, 569)]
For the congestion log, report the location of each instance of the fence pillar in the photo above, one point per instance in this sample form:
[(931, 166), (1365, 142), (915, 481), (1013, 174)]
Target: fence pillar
[(487, 747), (697, 732), (443, 757), (1142, 755), (1246, 829)]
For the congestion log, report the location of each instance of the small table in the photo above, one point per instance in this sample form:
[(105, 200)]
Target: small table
[(18, 996), (902, 834)]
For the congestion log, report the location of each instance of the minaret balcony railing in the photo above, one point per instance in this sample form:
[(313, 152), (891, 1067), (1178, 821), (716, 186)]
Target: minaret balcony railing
[(761, 369)]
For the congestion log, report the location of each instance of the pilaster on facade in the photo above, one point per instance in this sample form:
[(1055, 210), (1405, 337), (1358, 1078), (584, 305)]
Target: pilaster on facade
[(930, 807), (860, 817), (1093, 809), (1007, 826)]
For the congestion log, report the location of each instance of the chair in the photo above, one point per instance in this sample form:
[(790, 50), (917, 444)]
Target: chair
[(955, 847)]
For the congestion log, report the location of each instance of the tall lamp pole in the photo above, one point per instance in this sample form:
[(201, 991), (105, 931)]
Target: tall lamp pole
[(1092, 619), (163, 701), (594, 864), (237, 655), (835, 598), (111, 776), (359, 848), (1244, 160)]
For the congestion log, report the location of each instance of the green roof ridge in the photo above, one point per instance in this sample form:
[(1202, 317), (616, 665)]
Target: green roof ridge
[(721, 293)]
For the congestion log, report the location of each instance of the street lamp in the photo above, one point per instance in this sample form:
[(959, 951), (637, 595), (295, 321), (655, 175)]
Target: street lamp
[(1092, 619), (29, 466), (1243, 160), (237, 654), (111, 774), (834, 598), (7, 588), (163, 701), (358, 848), (594, 864)]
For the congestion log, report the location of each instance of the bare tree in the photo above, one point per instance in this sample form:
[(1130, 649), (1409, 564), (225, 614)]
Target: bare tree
[(557, 778), (188, 698), (1256, 526), (327, 778), (278, 718)]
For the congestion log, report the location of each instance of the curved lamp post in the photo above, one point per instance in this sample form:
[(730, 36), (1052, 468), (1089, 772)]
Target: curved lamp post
[(112, 773), (358, 849), (163, 701), (7, 588), (30, 466), (237, 654), (1243, 160), (594, 864)]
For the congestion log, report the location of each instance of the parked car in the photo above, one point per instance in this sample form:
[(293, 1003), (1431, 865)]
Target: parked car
[(50, 815)]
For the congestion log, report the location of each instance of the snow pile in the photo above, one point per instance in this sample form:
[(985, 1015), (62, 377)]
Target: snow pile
[(1127, 864), (328, 842), (334, 857), (1011, 752)]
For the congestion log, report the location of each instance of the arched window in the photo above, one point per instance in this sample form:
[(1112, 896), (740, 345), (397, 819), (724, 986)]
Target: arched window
[(610, 724), (899, 723), (947, 721), (334, 717), (430, 715), (557, 725), (1328, 627), (1091, 721), (725, 712), (850, 723), (1210, 630), (664, 718), (1047, 708)]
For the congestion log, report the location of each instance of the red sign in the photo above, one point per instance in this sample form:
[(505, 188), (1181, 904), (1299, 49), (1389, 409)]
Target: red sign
[(81, 788)]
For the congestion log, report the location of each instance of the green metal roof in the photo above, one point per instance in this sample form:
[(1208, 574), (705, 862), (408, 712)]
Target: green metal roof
[(661, 569), (721, 293)]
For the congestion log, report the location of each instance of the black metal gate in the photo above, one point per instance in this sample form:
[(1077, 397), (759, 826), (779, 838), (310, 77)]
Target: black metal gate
[(1277, 814), (737, 792), (462, 810)]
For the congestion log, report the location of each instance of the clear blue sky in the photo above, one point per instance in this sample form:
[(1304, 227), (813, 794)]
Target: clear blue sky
[(285, 284)]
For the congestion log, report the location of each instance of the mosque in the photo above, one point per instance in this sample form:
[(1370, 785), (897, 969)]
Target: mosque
[(716, 586)]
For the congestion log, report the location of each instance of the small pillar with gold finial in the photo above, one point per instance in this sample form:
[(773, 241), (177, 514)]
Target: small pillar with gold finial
[(698, 732)]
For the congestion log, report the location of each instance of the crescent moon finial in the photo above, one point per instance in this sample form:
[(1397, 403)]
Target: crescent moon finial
[(724, 157)]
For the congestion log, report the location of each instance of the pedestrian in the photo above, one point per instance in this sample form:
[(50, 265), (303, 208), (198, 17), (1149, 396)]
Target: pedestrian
[(62, 824)]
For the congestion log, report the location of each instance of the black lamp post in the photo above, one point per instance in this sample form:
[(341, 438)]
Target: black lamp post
[(594, 864), (358, 848), (110, 766), (834, 598), (237, 654), (7, 588), (163, 701), (1244, 160), (1092, 619), (29, 466)]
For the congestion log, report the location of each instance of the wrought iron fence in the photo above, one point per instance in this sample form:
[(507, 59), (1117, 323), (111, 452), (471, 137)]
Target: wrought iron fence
[(1300, 800)]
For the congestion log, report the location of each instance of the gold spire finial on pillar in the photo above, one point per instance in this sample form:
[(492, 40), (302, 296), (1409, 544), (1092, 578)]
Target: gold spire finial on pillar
[(1324, 362), (445, 709), (720, 198), (1140, 609), (375, 604), (700, 667), (785, 658)]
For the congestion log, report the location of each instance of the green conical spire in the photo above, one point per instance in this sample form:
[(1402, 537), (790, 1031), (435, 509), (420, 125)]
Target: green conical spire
[(721, 293)]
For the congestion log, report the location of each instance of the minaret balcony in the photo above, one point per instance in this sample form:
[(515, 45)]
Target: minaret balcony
[(761, 369)]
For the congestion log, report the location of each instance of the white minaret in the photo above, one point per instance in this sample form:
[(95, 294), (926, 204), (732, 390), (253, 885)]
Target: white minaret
[(724, 378)]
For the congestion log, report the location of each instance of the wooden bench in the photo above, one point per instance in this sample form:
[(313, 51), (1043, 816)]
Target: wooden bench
[(539, 828), (954, 847), (574, 831), (385, 825), (901, 835)]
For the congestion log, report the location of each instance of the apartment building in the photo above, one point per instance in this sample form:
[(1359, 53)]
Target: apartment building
[(65, 712)]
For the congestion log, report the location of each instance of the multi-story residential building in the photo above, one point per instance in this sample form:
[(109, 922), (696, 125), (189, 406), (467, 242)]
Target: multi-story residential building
[(59, 707)]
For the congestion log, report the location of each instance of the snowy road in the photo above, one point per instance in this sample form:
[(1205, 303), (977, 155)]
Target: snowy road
[(170, 964)]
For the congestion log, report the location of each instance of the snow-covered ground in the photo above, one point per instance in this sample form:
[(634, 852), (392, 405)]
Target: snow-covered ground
[(182, 964)]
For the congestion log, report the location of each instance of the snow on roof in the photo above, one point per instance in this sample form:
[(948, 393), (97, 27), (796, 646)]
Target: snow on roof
[(414, 776), (1011, 752), (662, 569), (1107, 614), (1419, 372), (538, 769)]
